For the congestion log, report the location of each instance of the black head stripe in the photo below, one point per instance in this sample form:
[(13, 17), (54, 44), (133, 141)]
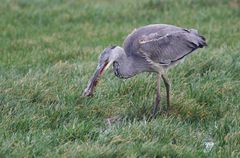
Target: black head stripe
[(112, 47)]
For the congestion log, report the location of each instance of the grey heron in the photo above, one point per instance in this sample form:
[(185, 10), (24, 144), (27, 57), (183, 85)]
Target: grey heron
[(151, 48)]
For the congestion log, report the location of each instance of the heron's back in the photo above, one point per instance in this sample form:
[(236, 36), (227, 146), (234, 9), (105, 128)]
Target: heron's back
[(131, 43), (162, 45)]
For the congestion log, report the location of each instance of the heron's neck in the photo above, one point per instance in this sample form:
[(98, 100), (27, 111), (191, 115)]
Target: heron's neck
[(127, 66)]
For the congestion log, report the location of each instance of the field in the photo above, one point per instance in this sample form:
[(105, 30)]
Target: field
[(49, 50)]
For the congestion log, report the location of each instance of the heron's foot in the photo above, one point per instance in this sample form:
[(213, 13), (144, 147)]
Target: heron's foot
[(167, 107), (166, 110), (162, 111), (155, 110)]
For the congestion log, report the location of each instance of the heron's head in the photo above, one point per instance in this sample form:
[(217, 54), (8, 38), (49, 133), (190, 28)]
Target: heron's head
[(106, 58)]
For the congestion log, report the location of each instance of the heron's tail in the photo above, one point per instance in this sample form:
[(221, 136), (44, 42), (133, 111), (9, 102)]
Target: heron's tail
[(202, 39)]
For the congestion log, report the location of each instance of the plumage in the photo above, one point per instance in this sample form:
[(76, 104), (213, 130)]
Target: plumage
[(162, 44), (151, 48)]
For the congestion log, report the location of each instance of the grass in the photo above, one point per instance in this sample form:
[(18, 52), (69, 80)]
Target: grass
[(49, 49)]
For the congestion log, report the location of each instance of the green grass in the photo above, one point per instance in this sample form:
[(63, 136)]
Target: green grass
[(49, 49)]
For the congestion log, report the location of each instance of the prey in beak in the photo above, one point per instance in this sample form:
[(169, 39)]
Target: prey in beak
[(106, 58), (94, 79)]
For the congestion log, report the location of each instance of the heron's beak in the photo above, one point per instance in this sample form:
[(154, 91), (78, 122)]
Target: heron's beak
[(94, 80)]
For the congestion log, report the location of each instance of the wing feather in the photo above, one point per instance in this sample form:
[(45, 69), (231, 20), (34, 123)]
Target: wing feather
[(170, 47)]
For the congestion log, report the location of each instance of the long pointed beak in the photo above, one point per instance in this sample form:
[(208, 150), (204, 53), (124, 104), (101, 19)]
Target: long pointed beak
[(94, 80)]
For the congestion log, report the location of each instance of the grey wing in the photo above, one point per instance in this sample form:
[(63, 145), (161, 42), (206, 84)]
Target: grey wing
[(170, 47), (131, 43)]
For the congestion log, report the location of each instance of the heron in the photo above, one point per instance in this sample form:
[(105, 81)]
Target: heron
[(151, 48)]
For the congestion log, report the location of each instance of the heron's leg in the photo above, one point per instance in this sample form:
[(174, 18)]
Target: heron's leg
[(158, 98), (167, 85)]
